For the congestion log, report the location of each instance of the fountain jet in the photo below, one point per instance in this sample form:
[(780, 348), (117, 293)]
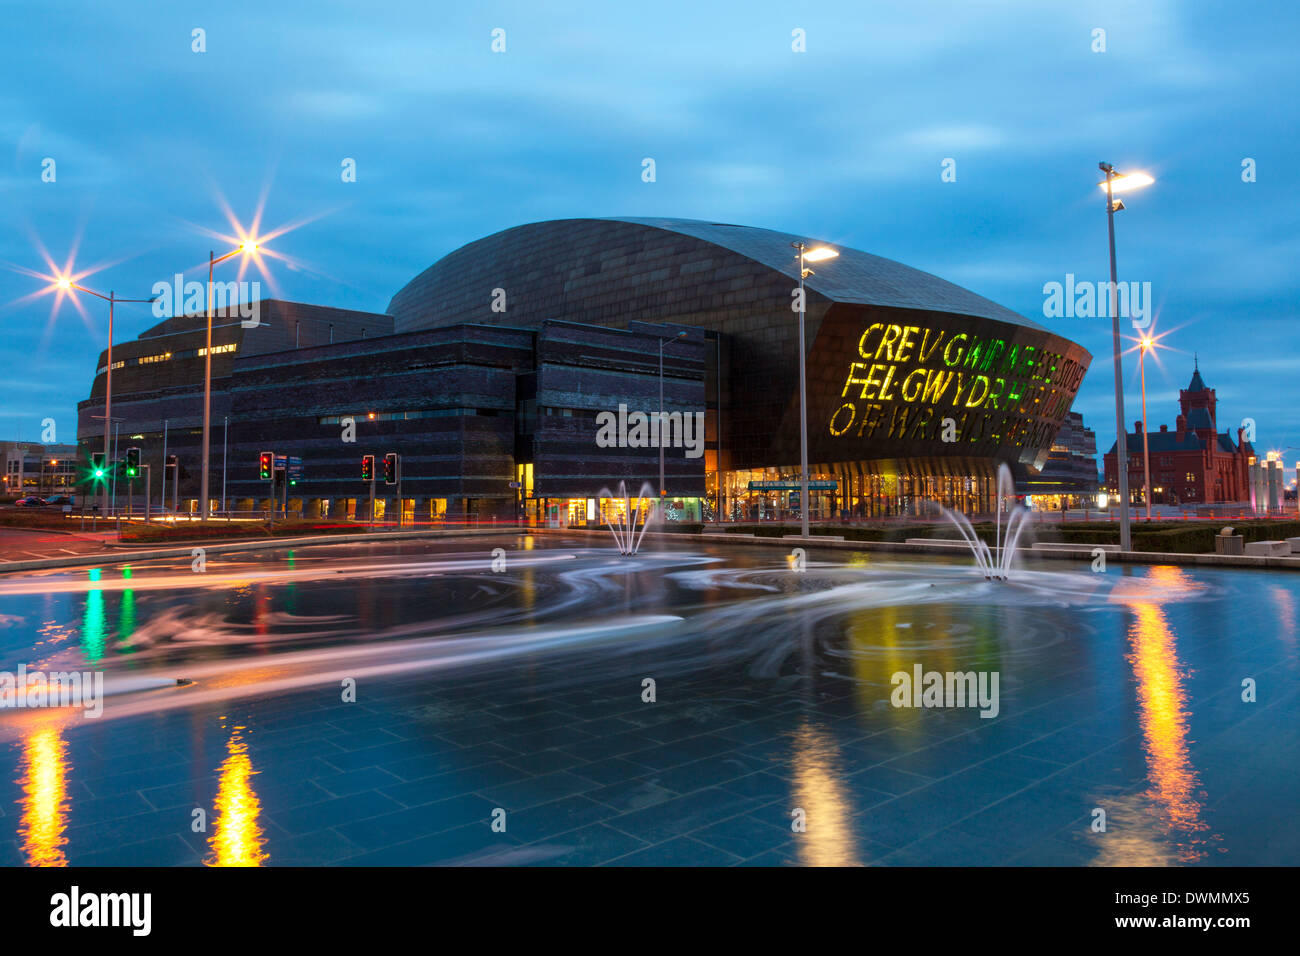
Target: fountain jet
[(623, 525), (995, 563)]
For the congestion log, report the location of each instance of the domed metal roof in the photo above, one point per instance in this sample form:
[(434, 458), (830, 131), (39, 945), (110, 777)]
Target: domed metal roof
[(551, 260), (853, 276)]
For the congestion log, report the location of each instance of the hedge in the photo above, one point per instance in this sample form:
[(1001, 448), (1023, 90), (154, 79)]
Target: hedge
[(244, 529)]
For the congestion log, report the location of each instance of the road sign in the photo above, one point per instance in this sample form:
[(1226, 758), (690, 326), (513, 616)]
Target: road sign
[(289, 464), (792, 485)]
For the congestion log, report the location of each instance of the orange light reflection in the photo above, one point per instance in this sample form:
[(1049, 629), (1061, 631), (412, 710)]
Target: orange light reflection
[(45, 798), (236, 839)]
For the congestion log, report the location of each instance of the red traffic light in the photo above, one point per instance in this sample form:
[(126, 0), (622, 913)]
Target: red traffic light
[(266, 465), (368, 468)]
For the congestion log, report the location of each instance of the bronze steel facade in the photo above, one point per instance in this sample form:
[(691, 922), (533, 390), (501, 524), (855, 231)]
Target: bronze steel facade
[(499, 362)]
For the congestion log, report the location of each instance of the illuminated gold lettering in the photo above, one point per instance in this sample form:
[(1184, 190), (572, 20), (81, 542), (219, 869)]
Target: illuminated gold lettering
[(853, 367), (914, 385), (936, 383), (920, 422), (971, 400), (905, 344), (947, 350), (995, 392), (887, 341), (924, 355), (956, 396), (870, 420), (885, 395), (995, 433), (862, 342), (834, 418), (872, 380), (898, 421)]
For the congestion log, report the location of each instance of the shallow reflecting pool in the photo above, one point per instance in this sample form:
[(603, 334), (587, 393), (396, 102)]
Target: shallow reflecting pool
[(553, 703)]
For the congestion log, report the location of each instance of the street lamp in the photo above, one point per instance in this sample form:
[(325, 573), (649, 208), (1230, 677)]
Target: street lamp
[(805, 255), (67, 285), (1115, 182), (247, 247), (663, 489)]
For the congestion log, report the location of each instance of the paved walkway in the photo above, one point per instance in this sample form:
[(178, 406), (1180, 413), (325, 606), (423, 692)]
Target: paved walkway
[(20, 544)]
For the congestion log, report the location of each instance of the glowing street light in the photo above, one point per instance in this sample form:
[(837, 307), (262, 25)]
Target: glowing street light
[(247, 247), (1122, 182), (1116, 181), (819, 254)]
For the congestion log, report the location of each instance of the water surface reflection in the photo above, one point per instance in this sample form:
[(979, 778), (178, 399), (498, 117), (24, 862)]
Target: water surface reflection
[(237, 838)]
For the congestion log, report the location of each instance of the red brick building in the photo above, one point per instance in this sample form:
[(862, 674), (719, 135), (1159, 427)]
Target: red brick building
[(1193, 463)]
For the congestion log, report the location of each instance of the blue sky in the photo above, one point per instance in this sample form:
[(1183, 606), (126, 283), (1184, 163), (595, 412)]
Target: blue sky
[(843, 142)]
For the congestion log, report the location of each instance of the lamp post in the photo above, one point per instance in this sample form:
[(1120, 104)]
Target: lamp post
[(1116, 181), (117, 427), (805, 255), (225, 445), (67, 284), (663, 489), (162, 489), (1147, 343), (247, 247)]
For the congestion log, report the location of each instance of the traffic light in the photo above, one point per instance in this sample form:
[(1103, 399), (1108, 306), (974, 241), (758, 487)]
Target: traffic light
[(132, 462), (97, 464), (266, 465), (367, 467), (390, 468)]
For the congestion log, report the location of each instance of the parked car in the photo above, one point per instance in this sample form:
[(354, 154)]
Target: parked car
[(31, 501)]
